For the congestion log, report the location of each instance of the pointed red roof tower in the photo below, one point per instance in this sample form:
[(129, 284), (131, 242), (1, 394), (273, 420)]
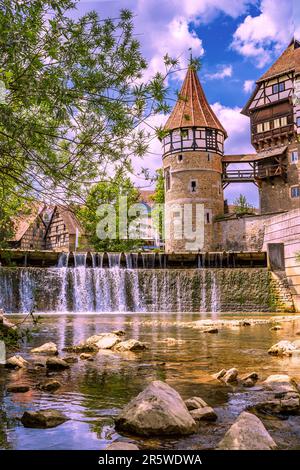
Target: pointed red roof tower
[(192, 108), (193, 148)]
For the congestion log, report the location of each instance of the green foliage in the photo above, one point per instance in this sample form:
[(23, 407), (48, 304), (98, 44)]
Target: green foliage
[(13, 337), (159, 194), (159, 198), (72, 106), (11, 203), (242, 206), (298, 256), (108, 193)]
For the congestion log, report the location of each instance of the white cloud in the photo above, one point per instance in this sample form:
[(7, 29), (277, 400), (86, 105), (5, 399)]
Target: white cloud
[(248, 86), (167, 27), (262, 37), (225, 71), (238, 129)]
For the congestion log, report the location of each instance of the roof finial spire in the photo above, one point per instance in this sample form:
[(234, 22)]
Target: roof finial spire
[(191, 56)]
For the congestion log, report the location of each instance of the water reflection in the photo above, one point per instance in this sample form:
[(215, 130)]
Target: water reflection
[(93, 392)]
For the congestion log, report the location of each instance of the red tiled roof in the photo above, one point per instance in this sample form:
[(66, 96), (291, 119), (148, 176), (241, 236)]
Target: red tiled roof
[(192, 108), (285, 63)]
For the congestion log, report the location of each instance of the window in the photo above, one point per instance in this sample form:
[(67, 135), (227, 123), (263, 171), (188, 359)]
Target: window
[(298, 121), (211, 138), (208, 157), (278, 87), (193, 186), (283, 121), (294, 156), (276, 123), (207, 218), (295, 191), (167, 179), (260, 128), (266, 126), (180, 158), (57, 228)]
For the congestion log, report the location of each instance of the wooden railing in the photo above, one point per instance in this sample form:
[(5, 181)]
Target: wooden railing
[(257, 173)]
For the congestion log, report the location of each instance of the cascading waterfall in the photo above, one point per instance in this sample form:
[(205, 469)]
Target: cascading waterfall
[(84, 285)]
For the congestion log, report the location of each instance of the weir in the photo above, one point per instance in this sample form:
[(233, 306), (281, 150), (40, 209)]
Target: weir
[(138, 260), (88, 286)]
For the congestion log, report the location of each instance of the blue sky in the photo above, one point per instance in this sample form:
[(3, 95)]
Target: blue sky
[(237, 41)]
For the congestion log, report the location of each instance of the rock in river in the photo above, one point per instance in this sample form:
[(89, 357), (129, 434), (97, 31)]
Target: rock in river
[(230, 376), (204, 414), (43, 419), (50, 386), (280, 383), (158, 410), (47, 348), (54, 363), (247, 433), (130, 345), (16, 362), (194, 403), (18, 388), (103, 340), (283, 348)]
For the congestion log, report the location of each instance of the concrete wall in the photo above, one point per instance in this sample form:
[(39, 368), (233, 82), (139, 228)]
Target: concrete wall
[(285, 228)]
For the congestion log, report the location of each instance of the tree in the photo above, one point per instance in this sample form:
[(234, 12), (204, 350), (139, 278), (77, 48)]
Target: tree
[(74, 98), (159, 194), (159, 199), (108, 193), (242, 206)]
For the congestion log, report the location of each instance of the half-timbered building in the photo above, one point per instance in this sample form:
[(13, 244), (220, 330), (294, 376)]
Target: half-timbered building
[(274, 111)]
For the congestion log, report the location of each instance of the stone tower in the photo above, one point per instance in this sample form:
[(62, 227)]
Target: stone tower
[(274, 110), (193, 147)]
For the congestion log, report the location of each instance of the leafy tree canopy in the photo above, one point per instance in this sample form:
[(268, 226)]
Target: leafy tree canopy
[(74, 99), (108, 193)]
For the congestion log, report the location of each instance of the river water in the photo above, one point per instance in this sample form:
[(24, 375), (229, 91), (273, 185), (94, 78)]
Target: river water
[(93, 393)]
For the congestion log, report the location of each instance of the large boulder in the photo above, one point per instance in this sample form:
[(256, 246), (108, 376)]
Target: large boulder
[(54, 363), (16, 362), (247, 433), (283, 348), (130, 345), (43, 419), (158, 410), (47, 348)]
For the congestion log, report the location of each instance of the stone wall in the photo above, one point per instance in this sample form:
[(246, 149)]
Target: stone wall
[(285, 228), (243, 233)]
